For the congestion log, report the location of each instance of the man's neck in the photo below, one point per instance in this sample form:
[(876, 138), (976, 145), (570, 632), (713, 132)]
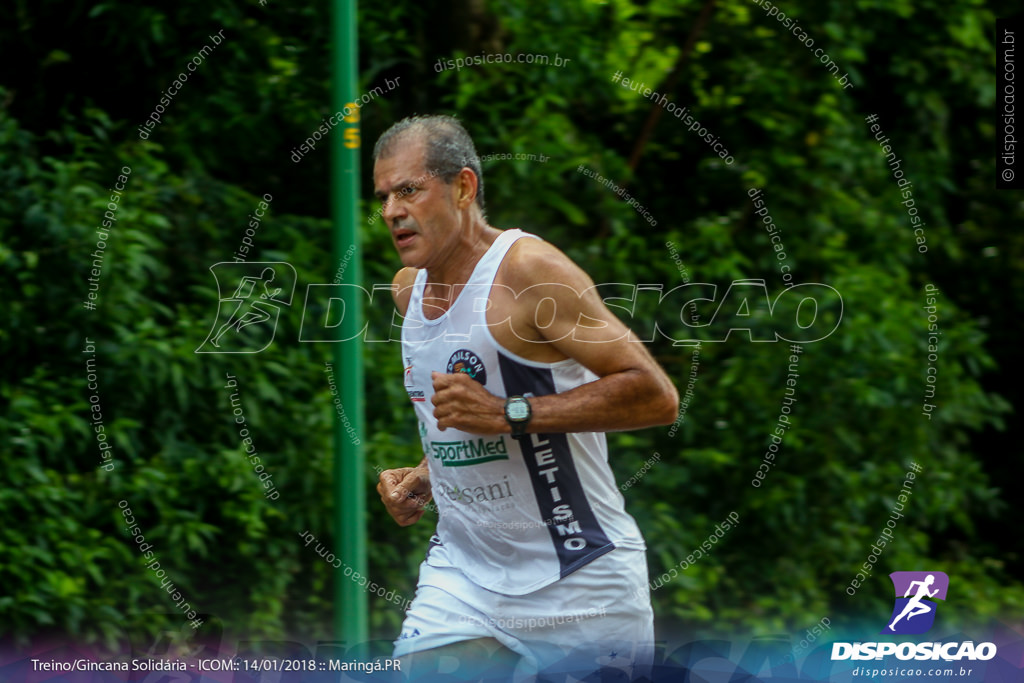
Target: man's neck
[(446, 281), (463, 257)]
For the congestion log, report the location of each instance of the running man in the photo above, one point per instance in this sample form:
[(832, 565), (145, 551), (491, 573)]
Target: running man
[(515, 369), (915, 606)]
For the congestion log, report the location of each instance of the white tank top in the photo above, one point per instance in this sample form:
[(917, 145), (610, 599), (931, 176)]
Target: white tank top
[(515, 516)]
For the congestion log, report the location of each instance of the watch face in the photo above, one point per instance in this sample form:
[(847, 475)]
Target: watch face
[(518, 409)]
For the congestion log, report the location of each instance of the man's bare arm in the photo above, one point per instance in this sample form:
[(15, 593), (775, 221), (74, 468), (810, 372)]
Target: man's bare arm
[(632, 390)]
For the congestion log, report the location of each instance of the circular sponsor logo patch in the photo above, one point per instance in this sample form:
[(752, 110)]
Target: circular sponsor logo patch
[(468, 362)]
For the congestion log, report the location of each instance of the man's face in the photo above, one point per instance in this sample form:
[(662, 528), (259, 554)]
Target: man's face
[(417, 207)]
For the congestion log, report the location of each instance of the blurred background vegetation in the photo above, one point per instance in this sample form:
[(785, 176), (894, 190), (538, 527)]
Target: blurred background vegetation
[(79, 77)]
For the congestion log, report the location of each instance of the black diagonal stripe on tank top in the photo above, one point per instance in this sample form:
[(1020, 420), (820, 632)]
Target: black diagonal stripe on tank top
[(575, 533)]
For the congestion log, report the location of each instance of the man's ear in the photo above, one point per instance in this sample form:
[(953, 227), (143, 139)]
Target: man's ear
[(466, 184)]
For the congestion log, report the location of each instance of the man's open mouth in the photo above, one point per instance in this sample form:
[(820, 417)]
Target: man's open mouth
[(403, 236)]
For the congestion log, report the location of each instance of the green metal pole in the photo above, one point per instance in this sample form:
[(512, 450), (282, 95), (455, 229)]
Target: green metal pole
[(350, 600)]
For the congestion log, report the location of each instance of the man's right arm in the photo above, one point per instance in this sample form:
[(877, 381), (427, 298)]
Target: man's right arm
[(401, 288), (405, 490)]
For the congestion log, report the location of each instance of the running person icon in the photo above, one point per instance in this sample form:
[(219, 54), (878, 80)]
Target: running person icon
[(915, 606), (244, 294)]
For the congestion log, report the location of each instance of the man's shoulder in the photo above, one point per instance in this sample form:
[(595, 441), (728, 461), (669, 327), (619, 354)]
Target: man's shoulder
[(405, 277), (401, 287), (531, 262)]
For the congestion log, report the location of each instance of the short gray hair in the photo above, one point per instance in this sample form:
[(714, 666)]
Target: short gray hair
[(449, 147)]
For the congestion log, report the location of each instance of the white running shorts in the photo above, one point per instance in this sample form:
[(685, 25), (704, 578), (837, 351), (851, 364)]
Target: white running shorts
[(598, 617)]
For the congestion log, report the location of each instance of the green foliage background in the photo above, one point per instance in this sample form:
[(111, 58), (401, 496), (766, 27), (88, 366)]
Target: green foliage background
[(89, 73)]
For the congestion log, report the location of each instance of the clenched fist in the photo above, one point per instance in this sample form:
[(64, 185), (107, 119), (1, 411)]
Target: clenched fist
[(404, 492), (462, 403)]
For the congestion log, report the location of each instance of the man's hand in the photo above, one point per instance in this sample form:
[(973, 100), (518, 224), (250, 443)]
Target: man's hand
[(462, 403), (404, 492)]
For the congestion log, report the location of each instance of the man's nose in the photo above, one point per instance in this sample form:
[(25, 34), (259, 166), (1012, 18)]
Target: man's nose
[(392, 209)]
